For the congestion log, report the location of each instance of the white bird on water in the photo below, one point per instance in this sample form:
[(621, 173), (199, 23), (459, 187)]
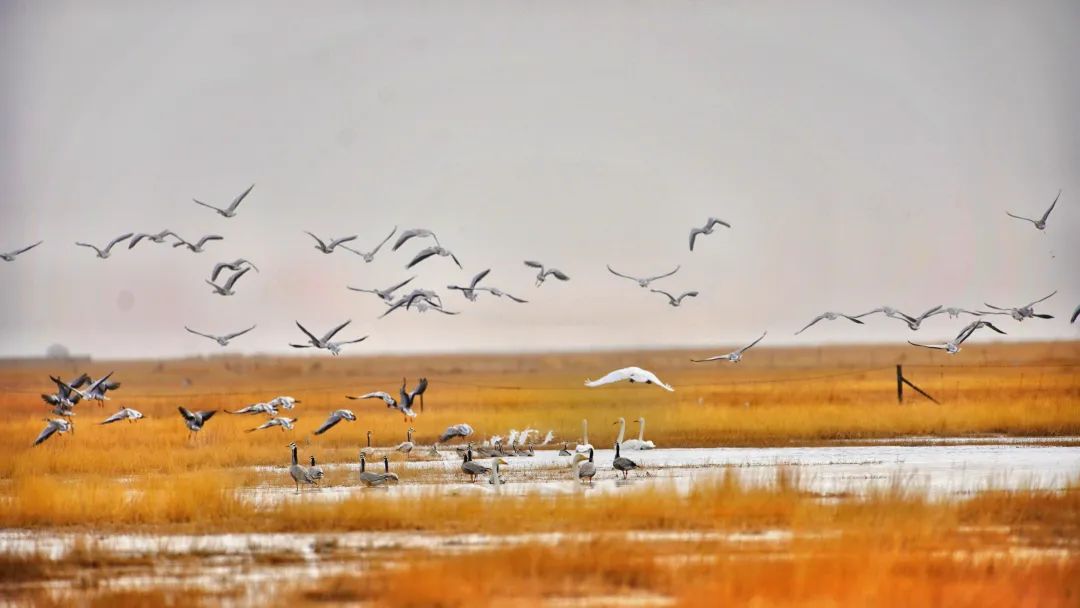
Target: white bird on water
[(953, 346), (125, 413), (634, 444), (642, 281), (11, 255), (229, 211), (733, 356), (584, 446), (631, 374), (107, 251), (221, 340), (1040, 224)]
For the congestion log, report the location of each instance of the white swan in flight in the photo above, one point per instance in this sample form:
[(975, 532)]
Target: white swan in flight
[(632, 374)]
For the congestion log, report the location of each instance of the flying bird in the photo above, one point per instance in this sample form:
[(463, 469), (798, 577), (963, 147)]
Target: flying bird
[(227, 289), (387, 294), (414, 233), (221, 340), (544, 273), (734, 356), (710, 225), (955, 313), (498, 293), (233, 266), (1022, 312), (153, 238), (335, 417), (229, 211), (325, 341), (54, 426), (470, 291), (457, 430), (194, 421), (197, 247), (97, 389), (642, 282), (370, 256), (104, 253), (1040, 224), (329, 248), (284, 402), (10, 256), (953, 346), (914, 323), (632, 374), (286, 424), (125, 413), (67, 395), (1076, 313), (828, 316), (432, 251), (672, 300), (407, 398), (423, 299), (256, 408)]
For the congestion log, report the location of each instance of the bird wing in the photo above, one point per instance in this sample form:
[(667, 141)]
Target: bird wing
[(423, 255), (421, 387), (333, 332), (49, 431), (97, 385), (207, 414), (929, 313), (383, 242), (992, 326), (661, 276), (688, 294), (234, 278), (399, 285), (934, 346), (219, 267), (239, 333), (198, 202), (749, 346), (714, 221), (199, 333), (615, 376), (299, 345), (454, 257), (514, 298), (357, 340), (872, 312), (619, 274), (715, 358), (693, 236), (119, 239), (135, 241), (669, 296), (811, 323), (1041, 299), (1076, 313), (657, 381), (558, 274), (90, 246), (236, 201), (186, 413), (330, 422), (1047, 214), (307, 333), (533, 264), (1020, 217), (404, 301), (209, 237), (344, 239), (25, 249), (317, 239), (408, 234)]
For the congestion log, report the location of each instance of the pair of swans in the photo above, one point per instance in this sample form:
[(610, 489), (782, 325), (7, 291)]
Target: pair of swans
[(633, 444)]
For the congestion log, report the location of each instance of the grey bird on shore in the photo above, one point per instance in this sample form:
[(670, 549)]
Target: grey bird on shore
[(229, 211)]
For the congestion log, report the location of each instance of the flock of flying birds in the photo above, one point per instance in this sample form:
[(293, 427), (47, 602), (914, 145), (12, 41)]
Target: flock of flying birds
[(69, 394)]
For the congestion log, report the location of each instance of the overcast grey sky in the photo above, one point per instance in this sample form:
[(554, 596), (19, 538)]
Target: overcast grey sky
[(865, 152)]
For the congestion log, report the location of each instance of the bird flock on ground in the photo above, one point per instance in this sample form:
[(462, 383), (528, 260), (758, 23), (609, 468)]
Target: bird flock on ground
[(85, 388)]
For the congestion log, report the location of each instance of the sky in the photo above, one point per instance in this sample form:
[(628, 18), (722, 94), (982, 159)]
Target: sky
[(865, 154)]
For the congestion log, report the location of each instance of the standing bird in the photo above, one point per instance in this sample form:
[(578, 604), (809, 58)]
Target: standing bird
[(316, 472), (672, 300), (710, 225), (642, 282), (54, 426), (633, 374), (471, 467), (125, 413), (430, 251), (734, 356), (335, 417), (233, 266), (370, 256), (828, 316), (584, 469), (371, 479), (227, 289), (406, 447), (324, 342), (197, 247), (221, 340), (10, 256), (229, 211), (414, 233), (544, 273), (285, 424), (1023, 312), (195, 420), (386, 295), (462, 430), (622, 463), (153, 238), (329, 248), (298, 472), (104, 253), (953, 346), (1040, 224)]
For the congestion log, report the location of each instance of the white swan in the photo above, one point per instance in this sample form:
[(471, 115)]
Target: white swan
[(584, 446), (633, 374), (634, 444)]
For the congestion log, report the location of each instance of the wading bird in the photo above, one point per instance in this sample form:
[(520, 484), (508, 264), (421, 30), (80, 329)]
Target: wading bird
[(544, 273), (335, 417), (406, 447), (584, 469), (315, 472), (371, 479), (324, 342), (125, 413), (197, 247), (11, 255), (672, 300), (229, 211), (153, 238), (298, 472), (622, 463), (105, 253), (386, 295), (1023, 312), (414, 233), (734, 356), (227, 289), (221, 340), (471, 467), (195, 420), (1040, 223), (54, 426), (953, 346), (432, 251), (828, 316), (329, 248), (285, 424), (632, 374), (584, 446), (710, 225), (642, 282), (370, 256), (233, 266)]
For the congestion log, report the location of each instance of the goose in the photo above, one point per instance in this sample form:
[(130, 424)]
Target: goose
[(125, 413), (543, 273), (197, 247), (498, 293), (369, 256), (284, 402), (1024, 312), (564, 451), (368, 449), (954, 312), (406, 400), (386, 295), (195, 420), (153, 238), (672, 300), (584, 469), (234, 266), (710, 225), (462, 430), (299, 473), (227, 289), (376, 479), (414, 233), (422, 299), (431, 251), (640, 443), (496, 479), (642, 282), (1040, 224), (97, 390), (324, 342), (107, 251), (386, 398), (470, 291), (328, 248), (829, 316), (406, 447), (221, 340), (734, 356), (67, 395), (256, 408), (888, 311), (54, 426), (953, 346), (914, 323), (286, 424), (632, 374), (315, 472), (229, 211), (472, 468), (622, 463), (11, 255), (335, 417), (584, 446)]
